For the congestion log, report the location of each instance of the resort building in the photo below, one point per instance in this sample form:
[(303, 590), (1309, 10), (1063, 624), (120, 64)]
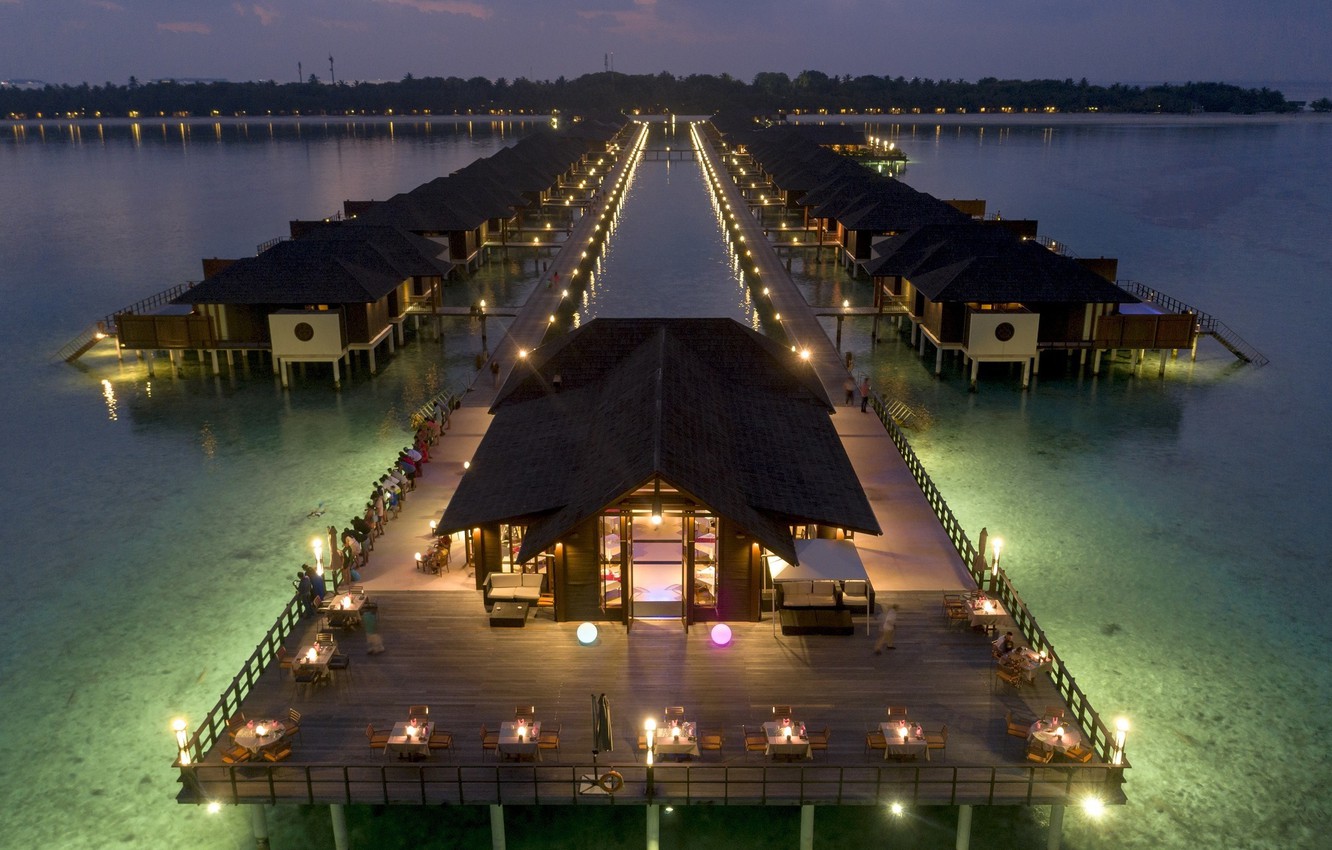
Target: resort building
[(645, 468)]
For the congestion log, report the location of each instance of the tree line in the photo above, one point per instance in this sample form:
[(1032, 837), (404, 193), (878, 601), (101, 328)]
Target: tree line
[(769, 92)]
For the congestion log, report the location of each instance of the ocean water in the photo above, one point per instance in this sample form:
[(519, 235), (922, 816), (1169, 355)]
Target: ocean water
[(1167, 532)]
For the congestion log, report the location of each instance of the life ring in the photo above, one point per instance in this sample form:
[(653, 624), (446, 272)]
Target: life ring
[(611, 781)]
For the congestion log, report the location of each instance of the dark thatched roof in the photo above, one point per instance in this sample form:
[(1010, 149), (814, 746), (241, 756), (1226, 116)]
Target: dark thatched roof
[(349, 264), (986, 263), (714, 409)]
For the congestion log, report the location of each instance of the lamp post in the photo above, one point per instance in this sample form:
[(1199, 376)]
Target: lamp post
[(1121, 734), (994, 565), (182, 741)]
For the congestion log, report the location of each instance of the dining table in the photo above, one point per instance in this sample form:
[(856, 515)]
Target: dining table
[(257, 734), (676, 739), (314, 657), (344, 609), (788, 746), (984, 612), (904, 738), (409, 740), (1054, 734), (519, 740), (1028, 662)]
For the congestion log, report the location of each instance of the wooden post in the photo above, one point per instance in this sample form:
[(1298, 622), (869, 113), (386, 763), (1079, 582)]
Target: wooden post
[(654, 827), (337, 376), (217, 370), (806, 827), (338, 813), (371, 352), (938, 360), (1160, 373), (496, 827), (975, 373), (259, 827), (1026, 373), (1055, 835), (1096, 362), (963, 828)]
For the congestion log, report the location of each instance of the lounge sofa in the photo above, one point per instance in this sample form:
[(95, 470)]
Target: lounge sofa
[(513, 587), (807, 594)]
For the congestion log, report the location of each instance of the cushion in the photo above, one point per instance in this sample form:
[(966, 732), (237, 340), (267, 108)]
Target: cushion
[(505, 579)]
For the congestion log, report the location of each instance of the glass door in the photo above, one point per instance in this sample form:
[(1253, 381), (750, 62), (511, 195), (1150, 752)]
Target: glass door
[(656, 565)]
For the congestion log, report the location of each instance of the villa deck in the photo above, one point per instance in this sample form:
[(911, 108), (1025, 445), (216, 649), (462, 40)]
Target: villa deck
[(442, 652)]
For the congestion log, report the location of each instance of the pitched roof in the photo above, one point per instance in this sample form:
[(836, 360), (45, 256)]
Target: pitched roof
[(983, 262), (342, 265), (716, 410)]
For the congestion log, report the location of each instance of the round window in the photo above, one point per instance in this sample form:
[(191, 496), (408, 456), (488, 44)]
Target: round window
[(1003, 331), (304, 332)]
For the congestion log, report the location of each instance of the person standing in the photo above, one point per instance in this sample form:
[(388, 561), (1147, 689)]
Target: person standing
[(494, 373), (305, 589), (850, 386), (887, 630), (864, 393)]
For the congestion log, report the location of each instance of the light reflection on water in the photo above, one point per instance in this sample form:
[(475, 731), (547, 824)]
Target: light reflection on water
[(1164, 532)]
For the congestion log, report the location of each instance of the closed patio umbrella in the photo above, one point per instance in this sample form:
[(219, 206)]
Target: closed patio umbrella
[(602, 739)]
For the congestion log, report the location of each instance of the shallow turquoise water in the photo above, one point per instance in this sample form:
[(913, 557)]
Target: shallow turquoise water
[(1164, 531)]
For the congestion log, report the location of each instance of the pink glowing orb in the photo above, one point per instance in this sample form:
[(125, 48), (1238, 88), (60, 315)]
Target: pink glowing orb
[(721, 634)]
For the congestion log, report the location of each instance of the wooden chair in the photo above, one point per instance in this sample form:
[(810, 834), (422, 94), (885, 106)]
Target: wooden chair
[(524, 712), (1079, 753), (875, 741), (234, 724), (1053, 712), (1039, 752), (325, 639), (819, 740), (781, 712), (1018, 727), (642, 745), (418, 711), (237, 755), (378, 738), (1012, 677), (936, 739), (550, 740), (489, 741), (339, 661), (293, 723), (441, 740), (710, 740), (278, 751), (674, 712), (306, 675), (284, 658), (755, 740), (897, 712)]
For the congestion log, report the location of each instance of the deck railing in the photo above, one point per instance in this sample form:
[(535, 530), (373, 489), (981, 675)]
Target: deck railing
[(106, 326), (1207, 323), (1099, 734), (435, 783), (446, 399)]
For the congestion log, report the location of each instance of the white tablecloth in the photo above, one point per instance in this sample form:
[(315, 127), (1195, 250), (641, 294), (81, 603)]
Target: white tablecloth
[(778, 745), (323, 655), (982, 616), (247, 737), (508, 738), (668, 744), (1045, 733), (400, 742), (913, 744), (1028, 663)]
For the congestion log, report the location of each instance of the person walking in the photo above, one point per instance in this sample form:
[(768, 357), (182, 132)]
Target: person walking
[(494, 373), (887, 630), (864, 393), (850, 386)]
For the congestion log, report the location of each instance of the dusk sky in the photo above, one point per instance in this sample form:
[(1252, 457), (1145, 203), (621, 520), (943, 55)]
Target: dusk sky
[(71, 41)]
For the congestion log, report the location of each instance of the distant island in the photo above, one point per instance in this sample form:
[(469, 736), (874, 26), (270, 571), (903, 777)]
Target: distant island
[(769, 93)]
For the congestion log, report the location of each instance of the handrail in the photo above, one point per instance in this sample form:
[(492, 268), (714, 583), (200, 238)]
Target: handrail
[(446, 399), (107, 324), (265, 245), (1060, 248), (1079, 705), (1207, 323), (427, 783)]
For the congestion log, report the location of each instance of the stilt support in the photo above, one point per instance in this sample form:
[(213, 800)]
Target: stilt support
[(337, 376), (1056, 833), (806, 827), (975, 372), (963, 828), (259, 827), (371, 352), (1026, 374), (654, 827), (938, 361), (496, 827), (217, 369), (338, 813)]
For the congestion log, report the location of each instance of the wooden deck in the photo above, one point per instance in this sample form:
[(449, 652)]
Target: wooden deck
[(441, 651)]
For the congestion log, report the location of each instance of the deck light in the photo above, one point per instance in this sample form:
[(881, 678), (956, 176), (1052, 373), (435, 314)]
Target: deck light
[(587, 633), (1094, 806), (994, 565), (845, 303), (804, 354), (564, 293), (483, 304), (721, 635), (522, 354), (778, 317), (467, 464), (433, 526), (418, 560), (1121, 734), (551, 320), (214, 807), (897, 809), (178, 726), (765, 291)]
